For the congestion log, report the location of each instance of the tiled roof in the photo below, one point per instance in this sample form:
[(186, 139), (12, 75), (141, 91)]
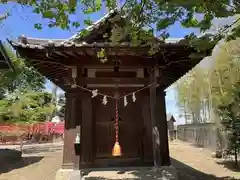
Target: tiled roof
[(44, 43), (169, 116), (96, 25), (77, 40)]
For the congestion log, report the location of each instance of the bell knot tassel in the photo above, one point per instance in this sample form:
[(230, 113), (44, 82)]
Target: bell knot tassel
[(116, 150)]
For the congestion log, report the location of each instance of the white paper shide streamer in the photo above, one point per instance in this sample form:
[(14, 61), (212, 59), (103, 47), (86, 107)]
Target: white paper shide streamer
[(94, 93), (104, 100), (125, 101), (134, 97)]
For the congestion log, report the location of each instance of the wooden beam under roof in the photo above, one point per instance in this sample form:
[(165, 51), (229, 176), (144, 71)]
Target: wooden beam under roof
[(98, 80)]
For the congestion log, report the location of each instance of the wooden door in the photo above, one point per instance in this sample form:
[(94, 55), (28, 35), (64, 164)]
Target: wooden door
[(130, 126), (104, 128)]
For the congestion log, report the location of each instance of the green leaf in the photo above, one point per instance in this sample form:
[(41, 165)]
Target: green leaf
[(72, 4), (111, 4), (38, 26), (83, 33), (190, 22), (88, 22), (88, 10), (48, 14), (164, 23), (37, 10), (101, 53), (98, 5), (75, 24)]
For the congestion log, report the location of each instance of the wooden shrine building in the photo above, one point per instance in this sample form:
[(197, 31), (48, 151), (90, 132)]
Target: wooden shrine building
[(143, 133)]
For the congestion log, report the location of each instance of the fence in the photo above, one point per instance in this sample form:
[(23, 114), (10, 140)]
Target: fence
[(12, 133), (206, 135)]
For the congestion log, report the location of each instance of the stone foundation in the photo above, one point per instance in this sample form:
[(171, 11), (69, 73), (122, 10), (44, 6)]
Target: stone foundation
[(131, 173), (64, 174), (166, 172)]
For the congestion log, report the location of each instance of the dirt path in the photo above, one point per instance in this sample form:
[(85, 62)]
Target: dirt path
[(39, 163), (198, 162), (42, 162)]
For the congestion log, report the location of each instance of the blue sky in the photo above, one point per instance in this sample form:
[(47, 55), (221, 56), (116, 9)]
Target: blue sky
[(21, 22)]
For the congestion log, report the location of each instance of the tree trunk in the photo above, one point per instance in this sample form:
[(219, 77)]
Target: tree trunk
[(236, 155), (185, 113), (210, 98)]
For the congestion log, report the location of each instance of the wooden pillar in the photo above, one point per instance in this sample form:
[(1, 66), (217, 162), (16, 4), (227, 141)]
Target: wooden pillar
[(147, 130), (78, 116), (163, 129), (86, 159), (70, 160), (159, 125)]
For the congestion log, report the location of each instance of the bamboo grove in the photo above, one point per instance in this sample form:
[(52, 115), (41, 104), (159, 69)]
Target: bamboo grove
[(211, 92)]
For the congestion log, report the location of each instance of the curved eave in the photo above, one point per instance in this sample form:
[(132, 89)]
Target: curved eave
[(44, 43), (51, 59)]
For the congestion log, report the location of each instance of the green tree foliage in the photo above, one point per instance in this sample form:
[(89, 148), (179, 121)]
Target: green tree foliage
[(26, 107), (62, 103), (192, 97), (155, 16), (230, 118), (22, 78), (22, 98), (213, 85), (223, 76)]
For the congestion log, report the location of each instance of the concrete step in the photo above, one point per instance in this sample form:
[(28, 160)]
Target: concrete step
[(145, 173)]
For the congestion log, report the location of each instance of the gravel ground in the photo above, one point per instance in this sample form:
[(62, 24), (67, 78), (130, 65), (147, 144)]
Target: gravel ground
[(40, 162)]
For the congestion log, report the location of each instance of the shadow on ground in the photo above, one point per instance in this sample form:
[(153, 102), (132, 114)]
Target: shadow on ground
[(184, 172), (187, 171), (230, 165), (7, 166), (31, 150)]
